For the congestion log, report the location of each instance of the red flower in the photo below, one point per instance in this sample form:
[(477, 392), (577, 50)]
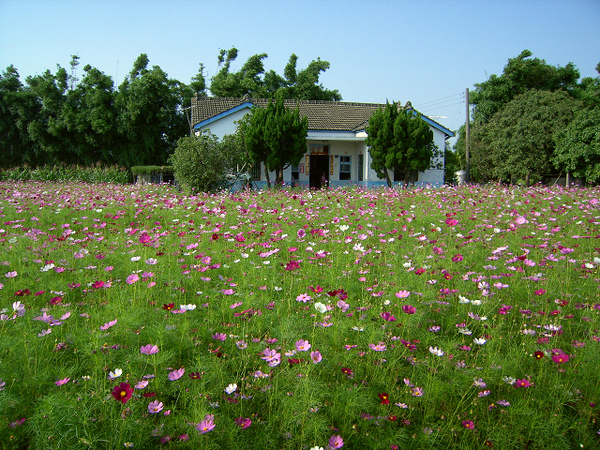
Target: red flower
[(385, 398), (348, 372), (538, 355), (122, 392), (215, 236), (168, 306)]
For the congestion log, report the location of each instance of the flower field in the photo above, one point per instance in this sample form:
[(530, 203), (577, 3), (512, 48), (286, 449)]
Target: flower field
[(134, 316)]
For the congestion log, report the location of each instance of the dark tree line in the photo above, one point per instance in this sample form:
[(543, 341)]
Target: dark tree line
[(533, 120), (58, 118)]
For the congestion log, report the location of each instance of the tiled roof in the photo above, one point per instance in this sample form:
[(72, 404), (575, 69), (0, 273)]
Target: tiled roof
[(322, 114)]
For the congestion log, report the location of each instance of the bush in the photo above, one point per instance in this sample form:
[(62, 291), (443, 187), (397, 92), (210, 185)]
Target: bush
[(94, 174), (203, 164)]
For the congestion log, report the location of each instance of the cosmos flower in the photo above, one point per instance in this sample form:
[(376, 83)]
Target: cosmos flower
[(122, 392)]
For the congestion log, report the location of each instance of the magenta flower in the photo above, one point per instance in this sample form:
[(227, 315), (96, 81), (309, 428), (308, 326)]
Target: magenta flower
[(409, 309), (336, 442), (62, 381), (219, 336), (468, 424), (523, 383), (208, 424), (457, 258), (176, 374), (389, 317), (155, 407), (560, 358), (149, 349), (243, 422)]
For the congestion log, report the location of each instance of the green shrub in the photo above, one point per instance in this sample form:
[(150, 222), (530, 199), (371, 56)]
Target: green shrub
[(94, 174), (203, 164)]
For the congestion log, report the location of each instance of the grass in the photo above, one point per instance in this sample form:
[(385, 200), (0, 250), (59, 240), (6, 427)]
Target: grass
[(444, 318)]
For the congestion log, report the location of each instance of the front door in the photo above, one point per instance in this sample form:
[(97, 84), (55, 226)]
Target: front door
[(319, 170)]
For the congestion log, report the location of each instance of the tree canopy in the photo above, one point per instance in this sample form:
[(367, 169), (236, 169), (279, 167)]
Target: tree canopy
[(520, 116), (399, 140), (252, 79)]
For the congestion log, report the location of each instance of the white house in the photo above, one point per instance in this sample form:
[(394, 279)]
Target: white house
[(335, 142)]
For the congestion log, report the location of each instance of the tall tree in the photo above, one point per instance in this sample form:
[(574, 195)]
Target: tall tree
[(17, 109), (519, 138), (275, 136), (399, 140), (150, 116)]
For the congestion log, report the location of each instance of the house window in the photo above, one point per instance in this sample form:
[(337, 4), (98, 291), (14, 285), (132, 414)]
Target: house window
[(255, 171), (345, 167)]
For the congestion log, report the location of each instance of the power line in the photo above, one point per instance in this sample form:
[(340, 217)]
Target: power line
[(441, 100)]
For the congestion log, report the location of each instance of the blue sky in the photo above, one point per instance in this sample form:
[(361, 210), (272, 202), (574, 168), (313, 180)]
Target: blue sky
[(427, 52)]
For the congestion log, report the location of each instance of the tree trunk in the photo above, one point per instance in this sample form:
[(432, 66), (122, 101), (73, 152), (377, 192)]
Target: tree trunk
[(387, 178), (267, 176), (568, 179)]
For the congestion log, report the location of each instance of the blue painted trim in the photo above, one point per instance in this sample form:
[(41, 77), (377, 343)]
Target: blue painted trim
[(434, 124), (223, 114)]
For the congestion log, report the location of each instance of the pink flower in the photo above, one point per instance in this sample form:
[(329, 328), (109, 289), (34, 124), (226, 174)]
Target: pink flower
[(155, 407), (336, 442), (523, 383), (303, 345), (316, 357), (132, 278), (402, 294), (149, 349), (207, 424), (176, 374), (107, 325), (468, 424), (380, 347), (540, 292), (457, 258)]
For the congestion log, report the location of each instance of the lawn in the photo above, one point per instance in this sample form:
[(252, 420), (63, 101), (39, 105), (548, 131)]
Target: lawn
[(136, 316)]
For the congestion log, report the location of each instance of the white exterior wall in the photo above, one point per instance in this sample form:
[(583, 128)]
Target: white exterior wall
[(225, 125)]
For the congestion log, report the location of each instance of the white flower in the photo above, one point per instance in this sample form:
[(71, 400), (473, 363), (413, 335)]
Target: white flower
[(436, 351), (320, 307), (463, 300), (465, 331), (135, 258), (231, 389), (116, 374), (509, 380), (358, 329), (479, 341), (189, 307), (476, 302)]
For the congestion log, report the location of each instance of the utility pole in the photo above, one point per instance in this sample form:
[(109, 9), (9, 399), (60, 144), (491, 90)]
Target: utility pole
[(467, 139)]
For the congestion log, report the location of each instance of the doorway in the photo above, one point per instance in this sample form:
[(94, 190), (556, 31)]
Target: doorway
[(319, 165)]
